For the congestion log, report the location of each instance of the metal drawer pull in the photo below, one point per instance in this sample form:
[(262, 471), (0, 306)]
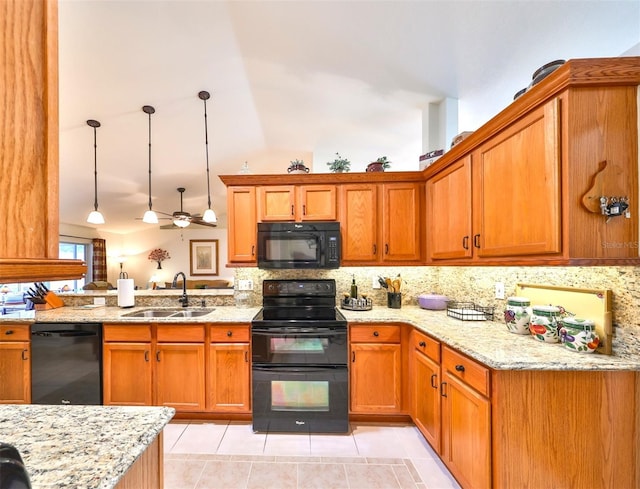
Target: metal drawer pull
[(24, 355), (353, 356), (443, 392), (229, 333), (476, 240), (304, 210), (246, 357), (375, 249), (9, 331), (460, 368), (158, 355), (465, 242), (146, 355), (422, 344), (434, 378), (292, 210), (375, 333)]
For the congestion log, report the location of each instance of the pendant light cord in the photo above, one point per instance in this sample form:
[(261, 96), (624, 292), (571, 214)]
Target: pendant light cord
[(206, 145), (149, 159), (95, 169)]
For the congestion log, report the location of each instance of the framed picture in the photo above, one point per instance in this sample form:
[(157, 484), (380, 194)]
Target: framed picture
[(203, 256)]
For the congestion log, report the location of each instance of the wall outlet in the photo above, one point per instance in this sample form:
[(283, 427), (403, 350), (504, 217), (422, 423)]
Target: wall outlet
[(499, 290), (374, 282), (99, 301), (245, 284)]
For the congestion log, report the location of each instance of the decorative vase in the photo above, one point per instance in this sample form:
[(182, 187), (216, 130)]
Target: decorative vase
[(297, 169), (375, 166), (159, 266)]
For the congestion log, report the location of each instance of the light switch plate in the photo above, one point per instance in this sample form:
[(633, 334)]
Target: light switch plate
[(374, 282), (245, 284), (499, 290)]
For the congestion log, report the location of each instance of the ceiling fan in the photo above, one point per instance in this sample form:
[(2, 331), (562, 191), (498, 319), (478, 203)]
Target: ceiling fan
[(181, 218)]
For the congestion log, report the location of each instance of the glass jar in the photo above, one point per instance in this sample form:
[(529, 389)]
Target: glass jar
[(517, 315), (579, 335), (544, 323)]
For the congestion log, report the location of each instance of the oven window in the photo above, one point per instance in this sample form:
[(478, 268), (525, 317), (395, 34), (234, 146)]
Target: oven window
[(295, 249), (299, 395), (299, 345)]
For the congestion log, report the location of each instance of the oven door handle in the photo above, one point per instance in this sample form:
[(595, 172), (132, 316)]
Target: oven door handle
[(296, 369), (323, 332)]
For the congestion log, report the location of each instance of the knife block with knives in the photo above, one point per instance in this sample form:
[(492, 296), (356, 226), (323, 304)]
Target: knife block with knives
[(43, 298)]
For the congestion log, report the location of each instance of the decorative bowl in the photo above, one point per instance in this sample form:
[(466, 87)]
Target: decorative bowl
[(434, 302)]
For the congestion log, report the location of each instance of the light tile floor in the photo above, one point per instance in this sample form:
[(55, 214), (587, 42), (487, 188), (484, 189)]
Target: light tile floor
[(229, 455)]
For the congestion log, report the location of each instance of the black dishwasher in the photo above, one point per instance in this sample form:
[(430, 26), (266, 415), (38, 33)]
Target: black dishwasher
[(66, 363)]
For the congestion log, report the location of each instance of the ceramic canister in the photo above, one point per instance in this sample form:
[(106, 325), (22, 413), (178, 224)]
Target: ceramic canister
[(517, 315), (544, 323), (579, 335)]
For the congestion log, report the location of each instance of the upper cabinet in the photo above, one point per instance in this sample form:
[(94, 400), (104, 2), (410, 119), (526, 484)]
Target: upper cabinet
[(29, 156), (242, 225), (297, 203), (526, 187)]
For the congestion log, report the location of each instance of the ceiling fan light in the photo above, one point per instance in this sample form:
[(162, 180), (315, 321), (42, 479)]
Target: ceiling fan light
[(95, 217), (209, 216), (150, 217), (181, 223)]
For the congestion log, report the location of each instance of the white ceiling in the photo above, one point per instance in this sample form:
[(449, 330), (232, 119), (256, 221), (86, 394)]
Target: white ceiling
[(289, 79)]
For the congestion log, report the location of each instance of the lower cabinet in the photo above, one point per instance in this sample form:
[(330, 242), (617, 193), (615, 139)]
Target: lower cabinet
[(127, 374), (375, 369), (15, 364), (425, 357), (229, 369)]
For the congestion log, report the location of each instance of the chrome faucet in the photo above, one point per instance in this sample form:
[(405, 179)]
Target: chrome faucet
[(184, 300)]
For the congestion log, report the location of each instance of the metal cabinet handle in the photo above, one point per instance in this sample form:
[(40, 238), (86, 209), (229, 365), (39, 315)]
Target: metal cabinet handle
[(353, 356), (292, 210), (434, 378), (465, 242), (422, 344), (304, 210), (229, 334), (476, 240), (460, 368), (9, 331), (158, 356), (375, 249), (253, 250), (146, 355), (386, 248), (375, 333), (443, 392), (246, 357), (24, 355)]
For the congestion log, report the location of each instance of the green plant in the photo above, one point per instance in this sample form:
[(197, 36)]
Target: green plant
[(339, 164), (385, 162), (295, 163)]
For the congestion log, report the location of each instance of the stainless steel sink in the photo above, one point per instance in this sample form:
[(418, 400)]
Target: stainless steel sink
[(166, 313)]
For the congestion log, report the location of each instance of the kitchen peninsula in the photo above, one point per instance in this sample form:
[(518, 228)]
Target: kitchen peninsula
[(88, 447)]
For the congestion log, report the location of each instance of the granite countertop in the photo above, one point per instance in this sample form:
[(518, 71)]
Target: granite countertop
[(80, 446), (489, 342)]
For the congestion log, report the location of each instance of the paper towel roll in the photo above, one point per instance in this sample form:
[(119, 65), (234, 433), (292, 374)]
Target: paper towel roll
[(125, 292)]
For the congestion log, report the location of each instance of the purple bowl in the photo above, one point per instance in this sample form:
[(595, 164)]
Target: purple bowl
[(433, 301)]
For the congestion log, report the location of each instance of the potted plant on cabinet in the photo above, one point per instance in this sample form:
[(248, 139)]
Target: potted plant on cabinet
[(339, 165), (297, 166), (381, 164)]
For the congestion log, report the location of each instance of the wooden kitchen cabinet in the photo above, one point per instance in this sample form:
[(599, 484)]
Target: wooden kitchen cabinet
[(229, 369), (466, 420), (381, 222), (297, 203), (426, 413), (29, 132), (15, 366), (242, 229), (166, 368), (375, 370)]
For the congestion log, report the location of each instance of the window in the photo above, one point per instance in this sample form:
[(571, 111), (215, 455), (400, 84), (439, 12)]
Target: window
[(73, 250)]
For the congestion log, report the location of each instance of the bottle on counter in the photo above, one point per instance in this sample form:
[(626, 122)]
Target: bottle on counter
[(354, 288)]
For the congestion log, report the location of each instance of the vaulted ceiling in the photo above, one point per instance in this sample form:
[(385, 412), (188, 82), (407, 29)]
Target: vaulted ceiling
[(296, 79)]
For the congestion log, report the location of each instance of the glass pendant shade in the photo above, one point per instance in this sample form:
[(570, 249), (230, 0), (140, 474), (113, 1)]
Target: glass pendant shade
[(181, 223), (95, 217), (150, 217), (209, 216)]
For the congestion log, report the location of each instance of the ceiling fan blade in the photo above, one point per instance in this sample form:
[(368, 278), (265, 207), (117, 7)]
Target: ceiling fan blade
[(170, 226), (140, 218), (200, 222)]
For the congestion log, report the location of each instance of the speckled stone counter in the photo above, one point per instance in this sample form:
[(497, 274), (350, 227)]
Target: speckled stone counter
[(489, 342), (81, 447)]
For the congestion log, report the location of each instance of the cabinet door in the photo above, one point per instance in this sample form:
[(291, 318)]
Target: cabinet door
[(127, 374), (180, 376), (375, 374), (517, 188), (15, 372), (426, 395), (316, 203), (229, 381), (449, 212), (466, 433), (277, 203), (242, 227), (401, 227), (358, 222)]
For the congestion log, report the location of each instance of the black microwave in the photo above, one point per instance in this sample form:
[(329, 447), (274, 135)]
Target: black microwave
[(299, 244)]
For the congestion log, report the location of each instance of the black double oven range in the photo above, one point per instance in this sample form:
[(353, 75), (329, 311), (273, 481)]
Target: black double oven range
[(300, 353)]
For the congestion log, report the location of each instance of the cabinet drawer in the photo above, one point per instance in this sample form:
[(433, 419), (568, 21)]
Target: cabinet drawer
[(180, 333), (14, 332), (231, 333), (126, 332), (375, 334), (426, 345), (472, 373)]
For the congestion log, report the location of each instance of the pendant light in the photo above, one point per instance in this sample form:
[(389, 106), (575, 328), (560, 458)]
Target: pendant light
[(209, 215), (150, 217), (95, 216)]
